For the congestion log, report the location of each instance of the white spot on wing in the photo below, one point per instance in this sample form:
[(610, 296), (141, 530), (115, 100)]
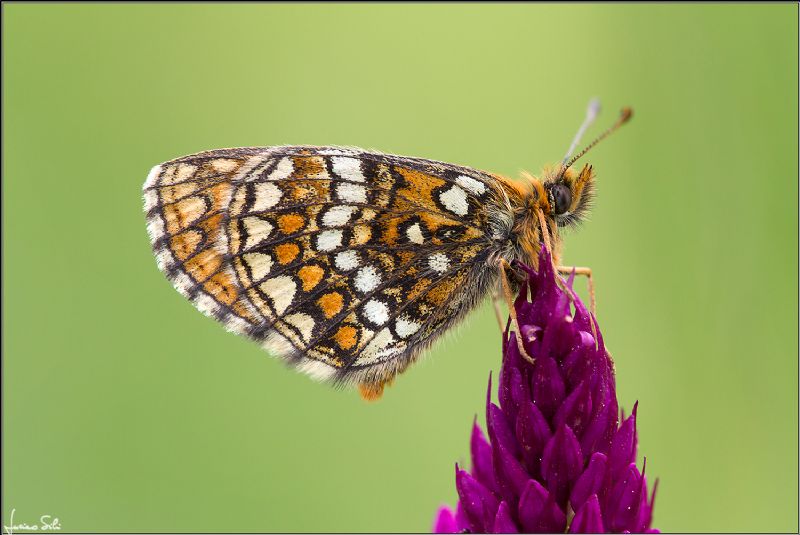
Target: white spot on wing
[(475, 186), (329, 240), (224, 165), (380, 346), (414, 234), (257, 230), (351, 192), (282, 170), (439, 262), (152, 177), (184, 172), (348, 168), (338, 216), (303, 322), (267, 195), (259, 264), (455, 200), (347, 260), (367, 279), (281, 290), (405, 328), (376, 311)]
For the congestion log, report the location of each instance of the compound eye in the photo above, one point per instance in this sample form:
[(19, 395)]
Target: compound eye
[(562, 198)]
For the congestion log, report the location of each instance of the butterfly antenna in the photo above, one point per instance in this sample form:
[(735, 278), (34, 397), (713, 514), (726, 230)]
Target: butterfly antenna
[(624, 117), (592, 111)]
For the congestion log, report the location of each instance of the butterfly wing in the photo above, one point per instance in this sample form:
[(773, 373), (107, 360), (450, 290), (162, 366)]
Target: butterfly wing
[(347, 263)]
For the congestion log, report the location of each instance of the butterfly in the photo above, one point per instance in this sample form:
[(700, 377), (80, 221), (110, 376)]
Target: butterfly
[(349, 263)]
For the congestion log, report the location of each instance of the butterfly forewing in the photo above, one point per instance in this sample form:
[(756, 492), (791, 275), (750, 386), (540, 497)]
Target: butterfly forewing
[(345, 262)]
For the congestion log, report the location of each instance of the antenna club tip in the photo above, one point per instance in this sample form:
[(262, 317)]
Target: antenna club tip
[(626, 114)]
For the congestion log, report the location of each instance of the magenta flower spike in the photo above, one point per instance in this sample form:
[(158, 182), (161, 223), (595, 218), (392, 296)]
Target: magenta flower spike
[(557, 458)]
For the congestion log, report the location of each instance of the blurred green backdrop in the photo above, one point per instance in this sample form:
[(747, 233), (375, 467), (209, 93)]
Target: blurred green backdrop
[(127, 410)]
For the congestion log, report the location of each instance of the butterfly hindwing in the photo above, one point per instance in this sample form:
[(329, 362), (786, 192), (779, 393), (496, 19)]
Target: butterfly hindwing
[(345, 262)]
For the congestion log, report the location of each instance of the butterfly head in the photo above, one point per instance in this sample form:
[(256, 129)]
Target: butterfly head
[(561, 198), (567, 195)]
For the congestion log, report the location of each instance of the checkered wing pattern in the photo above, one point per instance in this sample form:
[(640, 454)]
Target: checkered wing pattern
[(344, 262)]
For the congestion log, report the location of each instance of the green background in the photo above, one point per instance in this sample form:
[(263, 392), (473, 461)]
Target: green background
[(127, 410)]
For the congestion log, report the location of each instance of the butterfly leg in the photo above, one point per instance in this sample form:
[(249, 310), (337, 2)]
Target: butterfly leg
[(498, 313), (590, 282), (511, 310), (565, 269)]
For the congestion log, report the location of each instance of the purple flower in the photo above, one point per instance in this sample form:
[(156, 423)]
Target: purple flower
[(557, 458)]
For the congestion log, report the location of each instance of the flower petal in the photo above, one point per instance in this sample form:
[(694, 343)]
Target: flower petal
[(445, 521), (500, 432), (603, 425), (478, 502), (481, 458), (560, 333), (589, 482), (533, 433), (623, 447), (503, 523), (576, 410), (461, 519), (645, 515), (624, 500), (547, 386), (538, 512), (509, 474), (562, 463), (513, 391), (582, 361), (588, 519)]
